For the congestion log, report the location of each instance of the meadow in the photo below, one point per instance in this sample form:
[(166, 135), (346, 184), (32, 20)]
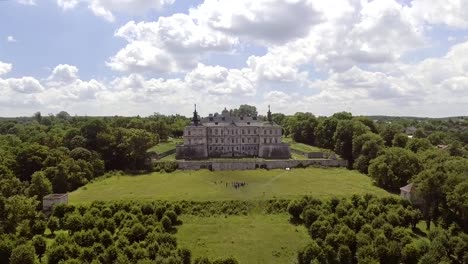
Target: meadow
[(204, 185), (257, 238)]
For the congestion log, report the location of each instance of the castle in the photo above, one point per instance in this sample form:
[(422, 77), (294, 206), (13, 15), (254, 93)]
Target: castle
[(225, 136)]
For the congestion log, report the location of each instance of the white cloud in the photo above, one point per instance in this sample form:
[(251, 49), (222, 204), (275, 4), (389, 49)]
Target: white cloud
[(67, 4), (171, 44), (5, 68), (218, 80), (27, 2), (25, 85), (275, 21), (63, 74), (11, 39), (451, 13), (108, 8)]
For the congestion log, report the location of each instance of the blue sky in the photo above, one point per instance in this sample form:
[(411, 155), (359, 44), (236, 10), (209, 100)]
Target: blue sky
[(130, 57)]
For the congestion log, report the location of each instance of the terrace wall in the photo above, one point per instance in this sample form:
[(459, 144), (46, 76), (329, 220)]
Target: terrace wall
[(251, 165)]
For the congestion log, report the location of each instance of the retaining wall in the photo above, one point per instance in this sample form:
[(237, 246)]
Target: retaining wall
[(251, 165)]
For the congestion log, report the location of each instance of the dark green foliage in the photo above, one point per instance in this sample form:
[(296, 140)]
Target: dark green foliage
[(53, 224), (394, 168), (23, 254), (40, 245)]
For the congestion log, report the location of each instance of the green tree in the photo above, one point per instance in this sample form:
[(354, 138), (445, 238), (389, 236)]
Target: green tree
[(400, 140), (40, 186), (346, 130), (53, 224), (394, 168), (418, 144), (366, 147), (23, 254), (325, 131), (40, 245)]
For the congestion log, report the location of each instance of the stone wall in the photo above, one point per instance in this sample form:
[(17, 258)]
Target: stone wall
[(310, 155), (191, 152), (251, 165), (274, 151)]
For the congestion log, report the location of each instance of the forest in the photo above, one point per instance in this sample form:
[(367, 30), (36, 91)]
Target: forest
[(59, 153)]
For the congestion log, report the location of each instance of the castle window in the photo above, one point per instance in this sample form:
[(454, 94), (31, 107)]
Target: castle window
[(189, 132), (242, 140), (211, 118), (222, 140), (232, 140), (248, 123), (264, 140), (223, 118), (241, 118), (216, 123), (210, 148), (216, 140)]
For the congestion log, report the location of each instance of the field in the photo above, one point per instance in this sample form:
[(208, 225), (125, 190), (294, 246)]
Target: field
[(206, 185), (165, 146), (256, 238), (301, 146)]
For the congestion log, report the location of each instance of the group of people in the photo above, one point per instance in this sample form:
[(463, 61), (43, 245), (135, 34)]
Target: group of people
[(235, 184)]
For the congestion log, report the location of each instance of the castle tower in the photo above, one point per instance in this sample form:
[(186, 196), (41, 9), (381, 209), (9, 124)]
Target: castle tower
[(195, 118)]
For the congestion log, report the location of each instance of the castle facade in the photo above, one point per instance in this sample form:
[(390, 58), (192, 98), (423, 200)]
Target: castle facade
[(226, 136)]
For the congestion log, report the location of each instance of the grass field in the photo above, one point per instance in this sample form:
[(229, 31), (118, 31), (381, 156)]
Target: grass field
[(165, 146), (204, 185), (301, 146), (257, 238)]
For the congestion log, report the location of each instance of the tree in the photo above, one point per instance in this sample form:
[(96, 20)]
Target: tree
[(40, 245), (365, 148), (346, 130), (30, 159), (419, 144), (400, 140), (19, 208), (40, 186), (325, 131), (53, 224), (73, 222), (166, 223), (389, 131), (394, 168), (23, 254), (245, 110)]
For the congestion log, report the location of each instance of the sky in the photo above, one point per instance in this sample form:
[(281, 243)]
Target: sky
[(139, 57)]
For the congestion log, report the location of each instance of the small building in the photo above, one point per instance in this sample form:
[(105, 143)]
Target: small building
[(410, 130), (49, 201)]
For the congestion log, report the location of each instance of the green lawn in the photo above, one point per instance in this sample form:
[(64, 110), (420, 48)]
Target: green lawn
[(204, 185), (301, 146), (256, 238), (165, 146)]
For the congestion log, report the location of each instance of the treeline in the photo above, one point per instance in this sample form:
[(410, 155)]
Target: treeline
[(60, 153), (366, 229), (435, 159), (119, 232)]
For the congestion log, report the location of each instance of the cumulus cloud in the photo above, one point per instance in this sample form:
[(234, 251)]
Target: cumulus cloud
[(171, 44), (25, 85), (107, 8), (63, 74), (275, 21), (5, 68), (450, 13)]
